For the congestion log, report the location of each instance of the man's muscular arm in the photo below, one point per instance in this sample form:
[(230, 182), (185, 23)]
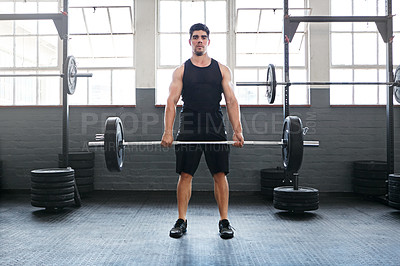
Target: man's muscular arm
[(175, 90), (232, 106)]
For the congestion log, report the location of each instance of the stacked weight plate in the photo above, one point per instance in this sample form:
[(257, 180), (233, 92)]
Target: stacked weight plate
[(369, 178), (52, 188), (83, 164), (394, 190), (289, 199), (271, 178)]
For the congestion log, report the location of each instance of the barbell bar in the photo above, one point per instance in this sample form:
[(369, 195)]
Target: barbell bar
[(78, 75), (70, 73), (271, 83), (292, 143)]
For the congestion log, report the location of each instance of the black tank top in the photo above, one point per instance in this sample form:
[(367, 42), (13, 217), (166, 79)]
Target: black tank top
[(201, 117), (202, 88)]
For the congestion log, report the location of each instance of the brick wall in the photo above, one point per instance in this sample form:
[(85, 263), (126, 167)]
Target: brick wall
[(31, 138)]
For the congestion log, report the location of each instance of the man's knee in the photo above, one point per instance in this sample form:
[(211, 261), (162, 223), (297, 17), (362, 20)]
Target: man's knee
[(219, 177), (185, 176)]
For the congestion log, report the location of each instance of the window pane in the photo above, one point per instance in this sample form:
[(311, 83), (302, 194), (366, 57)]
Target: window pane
[(365, 94), (25, 90), (298, 94), (216, 16), (97, 20), (121, 20), (123, 84), (271, 21), (217, 48), (169, 49), (186, 47), (99, 87), (382, 89), (49, 90), (244, 94), (164, 78), (26, 51), (79, 46), (192, 12), (80, 97), (341, 8), (247, 20), (76, 22), (169, 16), (6, 27), (23, 27), (47, 26), (341, 46), (6, 90), (6, 52), (48, 51), (341, 94), (365, 48)]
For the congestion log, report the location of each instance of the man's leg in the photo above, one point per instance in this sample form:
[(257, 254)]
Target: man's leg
[(221, 193), (183, 194)]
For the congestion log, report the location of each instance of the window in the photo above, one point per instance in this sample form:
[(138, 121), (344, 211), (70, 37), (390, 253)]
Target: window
[(358, 52), (101, 39), (259, 26), (175, 19), (29, 47)]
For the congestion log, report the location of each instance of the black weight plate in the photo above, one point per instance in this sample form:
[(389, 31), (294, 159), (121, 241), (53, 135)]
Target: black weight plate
[(271, 183), (84, 180), (297, 196), (394, 188), (54, 191), (271, 84), (370, 165), (395, 185), (113, 140), (297, 208), (394, 204), (78, 164), (78, 156), (395, 197), (51, 179), (394, 177), (47, 185), (70, 72), (309, 201), (50, 197), (370, 183), (365, 174), (84, 172), (289, 191), (52, 204), (86, 188), (396, 89), (273, 173), (370, 191), (292, 150), (52, 172), (77, 196)]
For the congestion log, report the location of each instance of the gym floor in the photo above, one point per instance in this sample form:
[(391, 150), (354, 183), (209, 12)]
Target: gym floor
[(131, 228)]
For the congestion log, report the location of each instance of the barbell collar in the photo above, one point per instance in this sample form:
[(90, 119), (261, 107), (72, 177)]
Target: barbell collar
[(310, 143)]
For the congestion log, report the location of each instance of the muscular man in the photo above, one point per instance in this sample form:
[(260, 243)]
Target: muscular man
[(201, 81)]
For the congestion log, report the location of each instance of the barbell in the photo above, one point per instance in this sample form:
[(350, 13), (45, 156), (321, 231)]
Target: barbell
[(292, 143), (272, 83), (70, 73)]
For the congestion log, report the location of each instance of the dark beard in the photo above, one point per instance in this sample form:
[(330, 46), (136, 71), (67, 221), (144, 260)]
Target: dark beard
[(199, 53)]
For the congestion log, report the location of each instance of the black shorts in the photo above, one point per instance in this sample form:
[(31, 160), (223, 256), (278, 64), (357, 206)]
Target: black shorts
[(195, 126), (188, 157)]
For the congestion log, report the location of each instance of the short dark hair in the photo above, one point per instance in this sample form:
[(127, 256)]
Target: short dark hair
[(199, 26)]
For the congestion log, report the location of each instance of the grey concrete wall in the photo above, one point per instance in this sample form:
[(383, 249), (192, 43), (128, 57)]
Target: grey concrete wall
[(30, 138)]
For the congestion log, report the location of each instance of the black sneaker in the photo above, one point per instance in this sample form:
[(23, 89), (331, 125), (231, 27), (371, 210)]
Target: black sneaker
[(225, 229), (179, 229)]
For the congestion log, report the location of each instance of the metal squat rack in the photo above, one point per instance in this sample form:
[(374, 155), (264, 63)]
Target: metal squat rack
[(385, 28)]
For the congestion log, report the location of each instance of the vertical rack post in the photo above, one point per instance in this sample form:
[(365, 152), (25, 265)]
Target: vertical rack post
[(65, 126), (389, 91), (286, 55)]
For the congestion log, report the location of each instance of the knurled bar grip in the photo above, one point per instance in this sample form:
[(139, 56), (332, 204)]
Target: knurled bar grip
[(316, 83)]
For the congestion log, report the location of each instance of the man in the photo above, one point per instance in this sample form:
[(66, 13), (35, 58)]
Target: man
[(201, 81)]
